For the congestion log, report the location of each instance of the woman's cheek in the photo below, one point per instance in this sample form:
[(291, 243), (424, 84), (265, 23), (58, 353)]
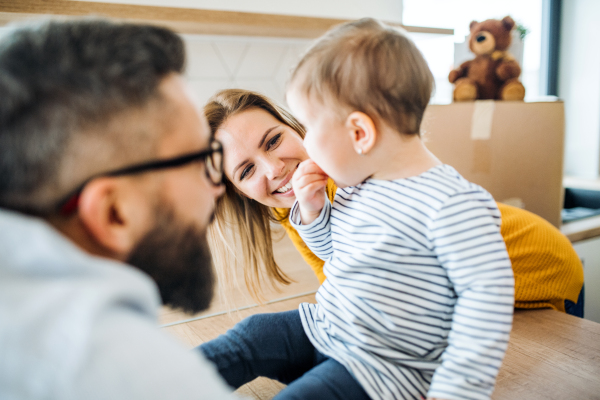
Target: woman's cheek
[(251, 189), (261, 190), (306, 143), (298, 149)]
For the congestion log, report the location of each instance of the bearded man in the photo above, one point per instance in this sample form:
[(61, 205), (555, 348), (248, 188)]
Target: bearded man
[(108, 178)]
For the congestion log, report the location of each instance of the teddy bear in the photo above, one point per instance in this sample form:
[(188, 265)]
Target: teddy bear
[(493, 73)]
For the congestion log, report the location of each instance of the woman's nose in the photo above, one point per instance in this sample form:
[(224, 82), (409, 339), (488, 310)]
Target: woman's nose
[(274, 168)]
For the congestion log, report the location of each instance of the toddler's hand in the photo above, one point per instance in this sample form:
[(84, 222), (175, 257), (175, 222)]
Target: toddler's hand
[(309, 183)]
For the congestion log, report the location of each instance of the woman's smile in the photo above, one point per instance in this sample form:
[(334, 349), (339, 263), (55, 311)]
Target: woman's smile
[(285, 186)]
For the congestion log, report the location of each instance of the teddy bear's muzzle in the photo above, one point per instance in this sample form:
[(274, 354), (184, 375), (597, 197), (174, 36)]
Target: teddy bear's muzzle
[(483, 43)]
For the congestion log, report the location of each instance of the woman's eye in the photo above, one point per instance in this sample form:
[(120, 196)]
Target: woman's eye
[(274, 142), (246, 172)]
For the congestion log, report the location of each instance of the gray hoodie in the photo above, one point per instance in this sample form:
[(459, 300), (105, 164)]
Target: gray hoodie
[(74, 326)]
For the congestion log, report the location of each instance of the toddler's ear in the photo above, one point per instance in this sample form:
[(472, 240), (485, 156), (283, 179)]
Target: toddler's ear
[(362, 130)]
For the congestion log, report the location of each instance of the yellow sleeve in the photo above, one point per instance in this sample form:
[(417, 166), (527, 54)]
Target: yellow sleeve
[(546, 267), (311, 259)]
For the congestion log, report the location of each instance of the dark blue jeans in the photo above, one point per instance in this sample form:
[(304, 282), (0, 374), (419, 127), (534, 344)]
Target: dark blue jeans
[(576, 309), (275, 346)]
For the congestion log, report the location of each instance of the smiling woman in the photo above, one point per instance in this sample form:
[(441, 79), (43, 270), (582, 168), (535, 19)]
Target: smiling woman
[(264, 147)]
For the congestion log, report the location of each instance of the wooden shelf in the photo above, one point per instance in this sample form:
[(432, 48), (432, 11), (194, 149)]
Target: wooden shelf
[(186, 20), (583, 229), (586, 228), (581, 183)]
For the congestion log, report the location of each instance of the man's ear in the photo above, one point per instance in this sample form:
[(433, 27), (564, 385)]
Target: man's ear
[(363, 131), (105, 214)]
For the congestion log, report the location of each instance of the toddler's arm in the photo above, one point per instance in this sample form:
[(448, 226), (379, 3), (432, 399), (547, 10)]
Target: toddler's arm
[(310, 214), (467, 241)]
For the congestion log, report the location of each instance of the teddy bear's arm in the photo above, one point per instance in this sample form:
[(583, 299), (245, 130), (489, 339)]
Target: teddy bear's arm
[(508, 69), (459, 72)]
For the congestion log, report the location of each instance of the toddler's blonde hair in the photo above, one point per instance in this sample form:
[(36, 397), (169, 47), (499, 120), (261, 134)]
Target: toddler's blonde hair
[(370, 67)]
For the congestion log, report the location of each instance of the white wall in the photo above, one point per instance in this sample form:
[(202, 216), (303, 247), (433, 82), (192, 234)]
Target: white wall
[(263, 64), (388, 10), (579, 86), (260, 64), (589, 251)]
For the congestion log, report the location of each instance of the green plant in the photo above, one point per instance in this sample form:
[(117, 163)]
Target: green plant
[(523, 31)]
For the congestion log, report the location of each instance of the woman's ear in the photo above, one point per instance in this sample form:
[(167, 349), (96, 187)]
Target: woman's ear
[(362, 131), (105, 214)]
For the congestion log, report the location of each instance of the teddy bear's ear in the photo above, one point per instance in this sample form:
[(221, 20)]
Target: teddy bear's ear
[(508, 23), (472, 24)]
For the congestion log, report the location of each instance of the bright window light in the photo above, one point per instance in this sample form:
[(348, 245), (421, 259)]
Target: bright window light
[(458, 14)]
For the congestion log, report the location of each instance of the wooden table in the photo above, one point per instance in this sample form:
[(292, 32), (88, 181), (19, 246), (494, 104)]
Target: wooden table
[(550, 355)]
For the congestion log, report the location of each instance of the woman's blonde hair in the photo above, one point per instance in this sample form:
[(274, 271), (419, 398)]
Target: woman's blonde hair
[(240, 235)]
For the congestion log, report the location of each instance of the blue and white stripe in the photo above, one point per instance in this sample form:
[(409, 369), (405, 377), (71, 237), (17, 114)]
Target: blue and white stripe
[(419, 294)]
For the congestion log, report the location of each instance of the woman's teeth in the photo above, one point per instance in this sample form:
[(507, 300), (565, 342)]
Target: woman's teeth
[(285, 188)]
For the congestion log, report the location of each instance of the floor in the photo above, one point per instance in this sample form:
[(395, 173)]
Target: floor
[(193, 330)]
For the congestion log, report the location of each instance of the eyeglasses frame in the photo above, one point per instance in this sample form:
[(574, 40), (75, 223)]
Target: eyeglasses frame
[(69, 203)]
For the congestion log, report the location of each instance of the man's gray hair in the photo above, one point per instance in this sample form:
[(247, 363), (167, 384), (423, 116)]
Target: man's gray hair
[(60, 80)]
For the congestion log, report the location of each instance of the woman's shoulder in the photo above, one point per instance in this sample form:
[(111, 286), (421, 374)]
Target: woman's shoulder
[(514, 218), (513, 215), (521, 226), (330, 189), (280, 213)]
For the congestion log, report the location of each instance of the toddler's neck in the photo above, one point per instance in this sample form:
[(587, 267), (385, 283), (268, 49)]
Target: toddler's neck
[(398, 156)]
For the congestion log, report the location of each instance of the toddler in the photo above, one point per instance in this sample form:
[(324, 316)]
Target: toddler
[(418, 300), (419, 291)]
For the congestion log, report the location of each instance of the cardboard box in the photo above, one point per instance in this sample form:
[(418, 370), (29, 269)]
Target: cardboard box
[(514, 150)]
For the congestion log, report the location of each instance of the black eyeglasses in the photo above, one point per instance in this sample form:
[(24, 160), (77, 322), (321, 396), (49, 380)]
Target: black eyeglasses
[(212, 158)]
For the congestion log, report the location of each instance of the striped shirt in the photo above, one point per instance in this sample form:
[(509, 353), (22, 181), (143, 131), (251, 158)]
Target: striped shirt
[(419, 294)]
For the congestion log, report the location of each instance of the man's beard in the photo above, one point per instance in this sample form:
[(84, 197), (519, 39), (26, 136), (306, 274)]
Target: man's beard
[(178, 259)]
